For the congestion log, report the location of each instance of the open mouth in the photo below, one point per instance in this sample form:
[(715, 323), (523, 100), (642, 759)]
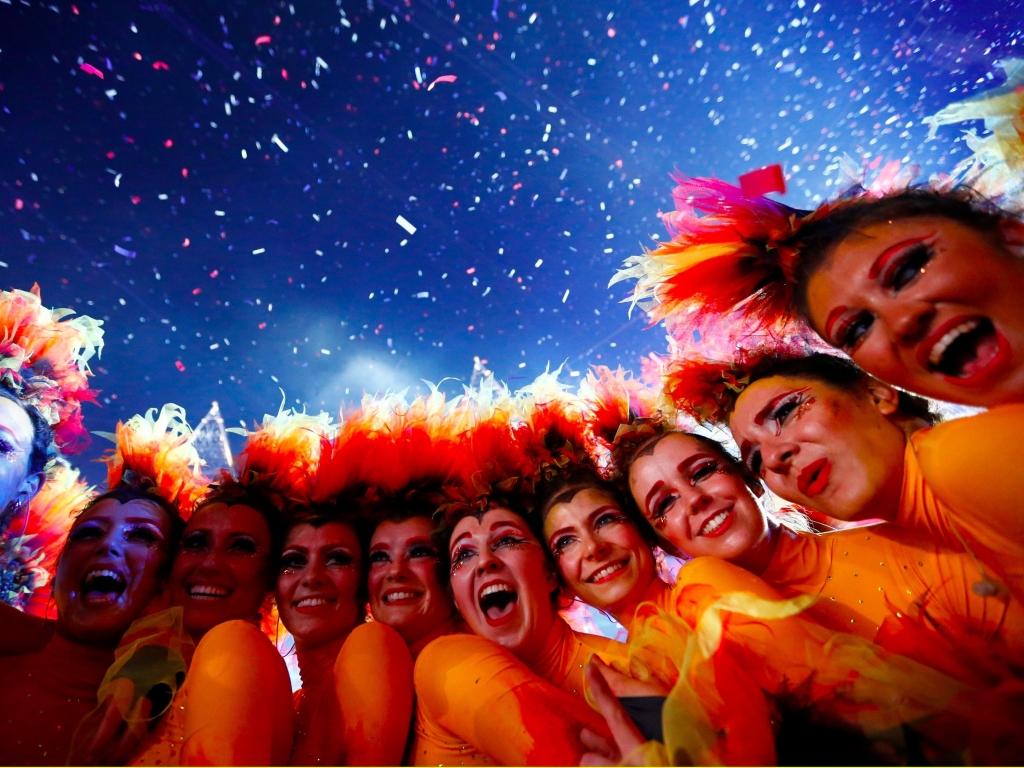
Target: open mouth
[(814, 477), (312, 602), (609, 572), (497, 601), (207, 592), (400, 597), (103, 586), (962, 348), (717, 524)]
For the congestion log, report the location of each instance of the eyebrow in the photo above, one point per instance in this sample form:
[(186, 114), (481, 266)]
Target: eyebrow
[(879, 265), (763, 413), (654, 489), (834, 315)]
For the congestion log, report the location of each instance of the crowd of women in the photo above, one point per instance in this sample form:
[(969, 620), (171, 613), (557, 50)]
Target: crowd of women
[(852, 566)]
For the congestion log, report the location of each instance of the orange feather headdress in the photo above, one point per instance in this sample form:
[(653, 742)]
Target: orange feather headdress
[(44, 358), (156, 452), (28, 559)]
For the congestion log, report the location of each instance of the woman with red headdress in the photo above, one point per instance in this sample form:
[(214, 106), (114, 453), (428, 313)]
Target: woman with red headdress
[(112, 567), (44, 370)]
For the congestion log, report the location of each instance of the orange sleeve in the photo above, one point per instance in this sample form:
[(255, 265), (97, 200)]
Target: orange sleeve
[(481, 693), (373, 684), (972, 465), (239, 709)]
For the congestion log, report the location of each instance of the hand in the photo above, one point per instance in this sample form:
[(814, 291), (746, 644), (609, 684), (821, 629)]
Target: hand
[(623, 685), (114, 740), (627, 738)]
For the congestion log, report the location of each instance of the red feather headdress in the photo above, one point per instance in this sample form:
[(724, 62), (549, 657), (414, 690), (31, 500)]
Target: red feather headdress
[(156, 452), (28, 556), (44, 358)]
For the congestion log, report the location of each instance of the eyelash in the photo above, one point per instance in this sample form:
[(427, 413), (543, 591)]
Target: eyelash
[(463, 553), (293, 562), (143, 533)]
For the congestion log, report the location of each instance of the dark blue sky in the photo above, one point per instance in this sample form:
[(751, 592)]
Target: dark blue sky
[(229, 209)]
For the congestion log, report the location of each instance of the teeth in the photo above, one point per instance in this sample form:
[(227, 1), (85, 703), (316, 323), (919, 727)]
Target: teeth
[(950, 336), (714, 523), (495, 588), (93, 575), (607, 571), (206, 591), (310, 602), (394, 596)]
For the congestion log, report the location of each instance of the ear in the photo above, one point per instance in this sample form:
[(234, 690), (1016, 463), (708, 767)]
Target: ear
[(1012, 232), (29, 488), (885, 398), (553, 583)]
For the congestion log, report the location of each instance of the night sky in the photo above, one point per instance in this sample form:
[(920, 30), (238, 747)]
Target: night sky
[(221, 182)]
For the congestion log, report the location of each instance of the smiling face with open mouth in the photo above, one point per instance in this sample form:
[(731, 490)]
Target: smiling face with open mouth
[(502, 582), (110, 568), (406, 589), (222, 569), (318, 582), (928, 304), (599, 551), (698, 500), (825, 448)]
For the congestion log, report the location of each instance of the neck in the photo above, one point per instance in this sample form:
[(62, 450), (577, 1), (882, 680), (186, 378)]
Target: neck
[(758, 557), (317, 662), (627, 612), (80, 666), (97, 646), (546, 637)]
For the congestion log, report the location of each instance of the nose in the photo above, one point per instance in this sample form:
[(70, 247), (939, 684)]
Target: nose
[(699, 502), (110, 544), (486, 561), (395, 570), (594, 546), (313, 575), (778, 455), (907, 321)]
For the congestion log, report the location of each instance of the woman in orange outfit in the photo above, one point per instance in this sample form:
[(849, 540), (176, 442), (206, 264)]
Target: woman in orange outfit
[(356, 700), (407, 580)]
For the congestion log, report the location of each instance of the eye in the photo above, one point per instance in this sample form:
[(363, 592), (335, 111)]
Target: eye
[(853, 330), (662, 506), (508, 540), (380, 557), (702, 471), (195, 541), (6, 447), (754, 462), (559, 545), (293, 561), (422, 550), (785, 407), (143, 533), (460, 556), (243, 545), (339, 558), (86, 532), (608, 518), (905, 267)]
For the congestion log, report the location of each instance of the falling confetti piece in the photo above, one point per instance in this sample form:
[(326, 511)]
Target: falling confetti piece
[(160, 65), (442, 79), (404, 224), (262, 39), (763, 180), (179, 365), (124, 252), (91, 70)]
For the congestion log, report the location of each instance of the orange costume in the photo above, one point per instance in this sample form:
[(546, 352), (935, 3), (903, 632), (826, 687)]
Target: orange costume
[(479, 705), (881, 580), (235, 707), (963, 485), (45, 696), (355, 705)]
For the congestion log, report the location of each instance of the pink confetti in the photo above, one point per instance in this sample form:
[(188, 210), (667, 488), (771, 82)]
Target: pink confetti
[(262, 39), (442, 79), (91, 70), (159, 65), (179, 365)]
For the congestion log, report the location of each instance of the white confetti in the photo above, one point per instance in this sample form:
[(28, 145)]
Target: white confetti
[(404, 224)]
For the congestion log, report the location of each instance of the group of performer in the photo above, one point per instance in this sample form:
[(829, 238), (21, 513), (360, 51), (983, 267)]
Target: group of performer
[(852, 569)]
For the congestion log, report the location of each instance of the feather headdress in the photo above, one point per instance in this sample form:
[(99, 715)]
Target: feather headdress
[(44, 358), (155, 451), (29, 547), (281, 456)]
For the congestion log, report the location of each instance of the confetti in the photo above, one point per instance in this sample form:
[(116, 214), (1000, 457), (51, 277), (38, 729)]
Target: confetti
[(441, 79), (91, 70), (404, 224)]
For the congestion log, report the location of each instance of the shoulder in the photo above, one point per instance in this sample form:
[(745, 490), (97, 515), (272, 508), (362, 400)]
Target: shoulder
[(717, 573), (235, 646), (451, 650), (374, 645)]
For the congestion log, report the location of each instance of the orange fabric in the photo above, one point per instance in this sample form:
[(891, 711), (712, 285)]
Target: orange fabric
[(358, 713), (235, 707), (883, 581), (479, 705), (962, 477), (45, 696), (452, 626)]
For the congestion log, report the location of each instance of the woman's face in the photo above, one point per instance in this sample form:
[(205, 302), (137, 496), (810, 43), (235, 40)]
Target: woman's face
[(110, 569), (405, 591), (600, 553), (222, 569), (502, 583), (318, 582), (697, 500), (822, 447), (16, 435), (930, 305)]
